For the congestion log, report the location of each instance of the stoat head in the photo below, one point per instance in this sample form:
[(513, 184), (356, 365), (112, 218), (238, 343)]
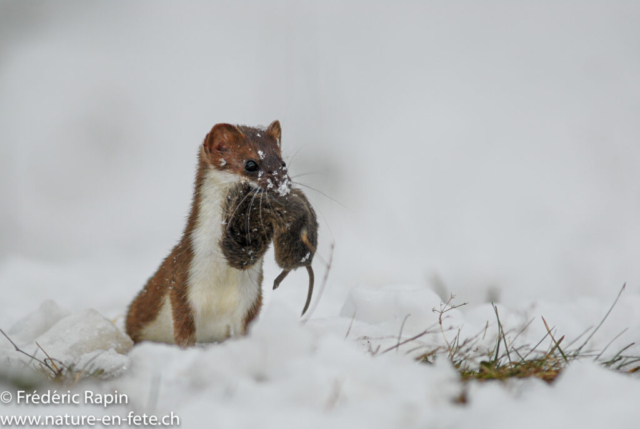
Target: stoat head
[(250, 154)]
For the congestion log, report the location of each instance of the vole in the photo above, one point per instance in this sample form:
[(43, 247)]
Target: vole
[(295, 237), (288, 217), (209, 287)]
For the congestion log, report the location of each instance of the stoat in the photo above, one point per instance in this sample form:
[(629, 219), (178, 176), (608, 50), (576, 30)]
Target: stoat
[(209, 287)]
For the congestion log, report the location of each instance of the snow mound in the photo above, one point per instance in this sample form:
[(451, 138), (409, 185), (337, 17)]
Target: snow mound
[(38, 322), (390, 305), (84, 340), (320, 380), (586, 395)]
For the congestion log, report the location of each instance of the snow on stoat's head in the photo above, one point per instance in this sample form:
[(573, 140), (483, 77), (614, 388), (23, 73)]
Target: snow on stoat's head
[(248, 153)]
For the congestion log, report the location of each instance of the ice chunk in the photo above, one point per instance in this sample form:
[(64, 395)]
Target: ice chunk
[(85, 341), (81, 333)]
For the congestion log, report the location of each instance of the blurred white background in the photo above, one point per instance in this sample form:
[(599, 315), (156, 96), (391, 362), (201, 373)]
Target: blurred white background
[(487, 150)]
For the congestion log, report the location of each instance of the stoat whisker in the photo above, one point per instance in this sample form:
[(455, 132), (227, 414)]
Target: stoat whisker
[(294, 155), (322, 193), (309, 173), (326, 222)]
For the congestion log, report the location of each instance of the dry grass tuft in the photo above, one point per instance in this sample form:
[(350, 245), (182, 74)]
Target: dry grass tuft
[(546, 369), (507, 361)]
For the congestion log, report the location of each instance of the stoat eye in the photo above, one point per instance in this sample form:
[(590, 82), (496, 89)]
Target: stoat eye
[(284, 164), (251, 166)]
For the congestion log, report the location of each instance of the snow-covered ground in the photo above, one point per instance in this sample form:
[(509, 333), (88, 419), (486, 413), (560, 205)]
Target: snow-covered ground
[(344, 370), (489, 151)]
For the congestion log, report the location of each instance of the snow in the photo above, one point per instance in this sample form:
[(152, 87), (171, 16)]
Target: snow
[(489, 152), (284, 188), (564, 405), (390, 305), (346, 369)]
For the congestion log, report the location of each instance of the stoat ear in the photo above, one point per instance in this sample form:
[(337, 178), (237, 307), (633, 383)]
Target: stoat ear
[(220, 139), (274, 131)]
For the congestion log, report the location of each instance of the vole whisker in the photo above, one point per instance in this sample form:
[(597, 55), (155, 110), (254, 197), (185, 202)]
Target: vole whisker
[(249, 215), (261, 219), (277, 202), (269, 202), (236, 209)]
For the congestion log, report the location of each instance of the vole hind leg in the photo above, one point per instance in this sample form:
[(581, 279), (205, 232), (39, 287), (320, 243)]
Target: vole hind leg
[(279, 279)]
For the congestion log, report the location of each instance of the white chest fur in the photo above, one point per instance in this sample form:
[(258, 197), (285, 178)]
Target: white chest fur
[(219, 295)]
